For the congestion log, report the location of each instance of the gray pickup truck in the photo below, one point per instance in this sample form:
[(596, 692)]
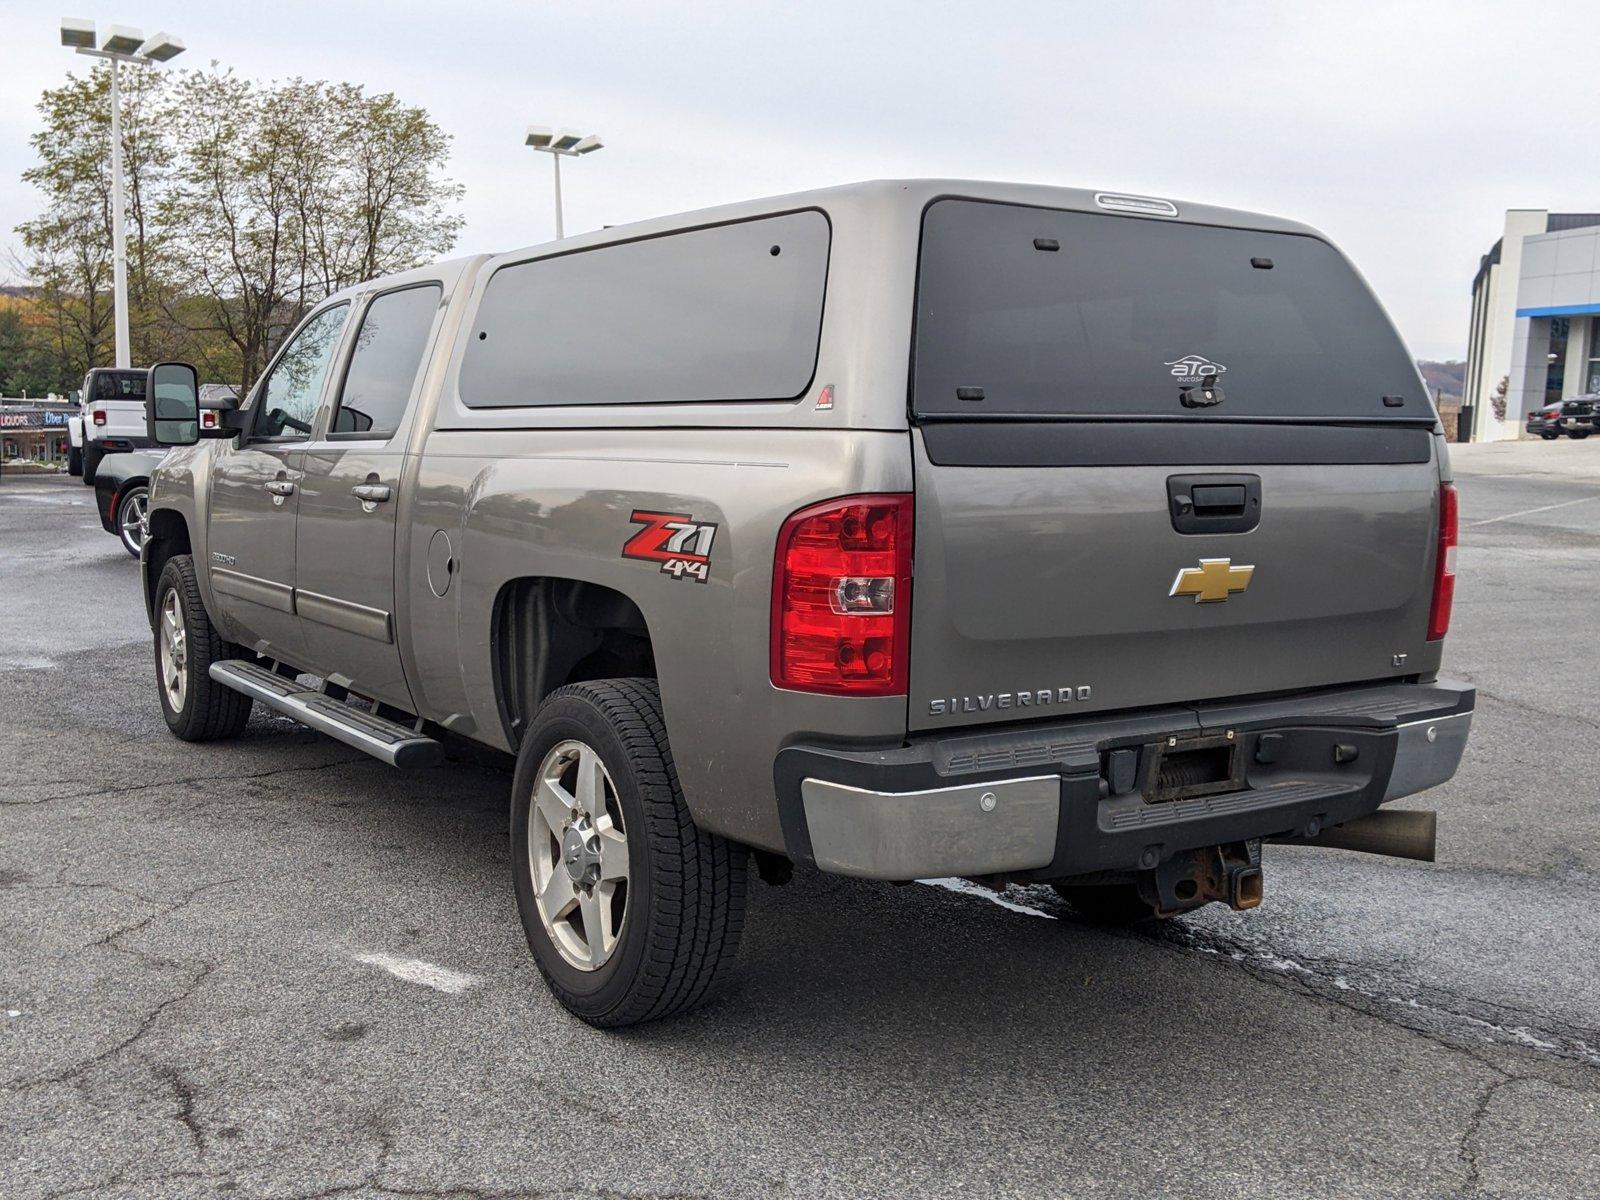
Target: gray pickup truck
[(900, 530)]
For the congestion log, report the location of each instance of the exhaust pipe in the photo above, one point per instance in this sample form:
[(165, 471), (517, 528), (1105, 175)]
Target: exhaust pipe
[(1404, 833)]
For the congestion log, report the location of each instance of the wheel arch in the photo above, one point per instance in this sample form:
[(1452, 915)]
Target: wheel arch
[(120, 491), (168, 536), (550, 631)]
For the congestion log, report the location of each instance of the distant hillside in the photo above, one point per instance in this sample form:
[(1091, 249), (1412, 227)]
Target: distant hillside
[(1446, 380)]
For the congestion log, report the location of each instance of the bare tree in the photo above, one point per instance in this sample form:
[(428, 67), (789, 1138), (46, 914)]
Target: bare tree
[(248, 203), (397, 211), (232, 212), (67, 247)]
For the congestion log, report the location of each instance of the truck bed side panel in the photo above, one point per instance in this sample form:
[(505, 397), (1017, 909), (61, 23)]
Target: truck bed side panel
[(563, 503)]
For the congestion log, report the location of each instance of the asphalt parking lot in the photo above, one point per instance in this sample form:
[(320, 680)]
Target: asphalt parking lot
[(275, 968)]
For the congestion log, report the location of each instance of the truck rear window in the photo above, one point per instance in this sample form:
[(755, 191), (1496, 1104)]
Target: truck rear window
[(119, 385), (1031, 312)]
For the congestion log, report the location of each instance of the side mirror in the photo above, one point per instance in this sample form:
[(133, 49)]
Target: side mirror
[(172, 413), (175, 415)]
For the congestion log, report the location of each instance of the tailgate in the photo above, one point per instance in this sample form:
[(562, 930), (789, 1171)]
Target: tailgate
[(1157, 464), (1046, 591), (123, 420)]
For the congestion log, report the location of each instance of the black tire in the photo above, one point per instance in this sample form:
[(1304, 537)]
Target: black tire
[(134, 495), (91, 463), (1107, 903), (208, 711), (685, 898), (74, 461), (1578, 436), (1549, 437)]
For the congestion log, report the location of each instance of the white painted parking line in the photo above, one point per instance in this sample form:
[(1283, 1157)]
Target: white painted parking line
[(967, 888), (1528, 512), (426, 974)]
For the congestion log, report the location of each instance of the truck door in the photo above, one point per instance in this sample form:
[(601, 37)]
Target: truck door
[(350, 492), (255, 494)]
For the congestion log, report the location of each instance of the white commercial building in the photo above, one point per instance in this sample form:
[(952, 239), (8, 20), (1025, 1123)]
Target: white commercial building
[(1535, 319)]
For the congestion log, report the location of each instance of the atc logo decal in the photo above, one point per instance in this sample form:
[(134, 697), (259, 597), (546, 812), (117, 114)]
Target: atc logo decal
[(677, 541), (1194, 369)]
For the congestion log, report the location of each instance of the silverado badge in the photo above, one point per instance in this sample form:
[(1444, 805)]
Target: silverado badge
[(1213, 580)]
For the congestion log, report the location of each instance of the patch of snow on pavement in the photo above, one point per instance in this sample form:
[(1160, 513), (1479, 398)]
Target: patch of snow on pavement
[(968, 888)]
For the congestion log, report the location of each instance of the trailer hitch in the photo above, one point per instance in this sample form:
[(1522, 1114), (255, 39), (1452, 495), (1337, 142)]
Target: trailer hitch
[(1230, 873)]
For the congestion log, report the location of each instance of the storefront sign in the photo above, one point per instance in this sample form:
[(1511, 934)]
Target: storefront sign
[(34, 418)]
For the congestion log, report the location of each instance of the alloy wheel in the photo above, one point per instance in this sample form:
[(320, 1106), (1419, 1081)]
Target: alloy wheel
[(134, 525), (174, 652), (578, 855)]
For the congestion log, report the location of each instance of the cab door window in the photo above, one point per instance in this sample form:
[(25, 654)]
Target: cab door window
[(288, 397), (383, 367)]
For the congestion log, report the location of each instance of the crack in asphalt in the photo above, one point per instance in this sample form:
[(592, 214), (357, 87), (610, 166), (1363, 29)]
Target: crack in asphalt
[(61, 884), (113, 941), (1330, 979), (1296, 976), (470, 1192), (119, 1181), (1523, 705), (1466, 1153), (125, 789), (118, 1184), (70, 1075), (186, 1095)]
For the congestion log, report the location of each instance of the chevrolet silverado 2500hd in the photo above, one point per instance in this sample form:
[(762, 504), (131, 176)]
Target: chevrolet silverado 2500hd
[(901, 530)]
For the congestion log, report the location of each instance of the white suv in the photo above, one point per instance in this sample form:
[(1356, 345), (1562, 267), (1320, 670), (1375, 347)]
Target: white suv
[(113, 415)]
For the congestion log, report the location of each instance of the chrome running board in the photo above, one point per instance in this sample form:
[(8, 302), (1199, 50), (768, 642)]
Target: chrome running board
[(384, 739)]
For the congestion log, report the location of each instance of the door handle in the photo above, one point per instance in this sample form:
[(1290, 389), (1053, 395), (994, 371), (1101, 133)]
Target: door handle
[(1214, 503), (371, 493), (1218, 499), (280, 487)]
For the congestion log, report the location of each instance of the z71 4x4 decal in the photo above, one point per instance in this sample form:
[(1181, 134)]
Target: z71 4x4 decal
[(677, 541)]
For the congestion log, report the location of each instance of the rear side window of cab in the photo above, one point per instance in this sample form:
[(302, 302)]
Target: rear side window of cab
[(118, 385), (723, 313)]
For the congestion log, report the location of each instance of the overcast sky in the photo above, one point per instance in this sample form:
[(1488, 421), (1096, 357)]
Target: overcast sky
[(1402, 130)]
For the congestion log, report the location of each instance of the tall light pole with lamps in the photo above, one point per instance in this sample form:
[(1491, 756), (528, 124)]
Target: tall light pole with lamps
[(558, 145), (119, 45)]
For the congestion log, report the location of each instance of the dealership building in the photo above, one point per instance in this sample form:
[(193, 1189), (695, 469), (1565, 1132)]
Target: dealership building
[(34, 430), (1535, 319)]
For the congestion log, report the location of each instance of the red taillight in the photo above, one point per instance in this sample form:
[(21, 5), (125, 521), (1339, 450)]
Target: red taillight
[(841, 597), (1444, 571), (99, 417)]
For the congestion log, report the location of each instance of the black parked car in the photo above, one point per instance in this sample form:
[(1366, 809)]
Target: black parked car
[(1573, 417), (121, 493), (122, 480)]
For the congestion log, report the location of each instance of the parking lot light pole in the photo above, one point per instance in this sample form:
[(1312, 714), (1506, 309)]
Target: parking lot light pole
[(120, 45), (558, 145)]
